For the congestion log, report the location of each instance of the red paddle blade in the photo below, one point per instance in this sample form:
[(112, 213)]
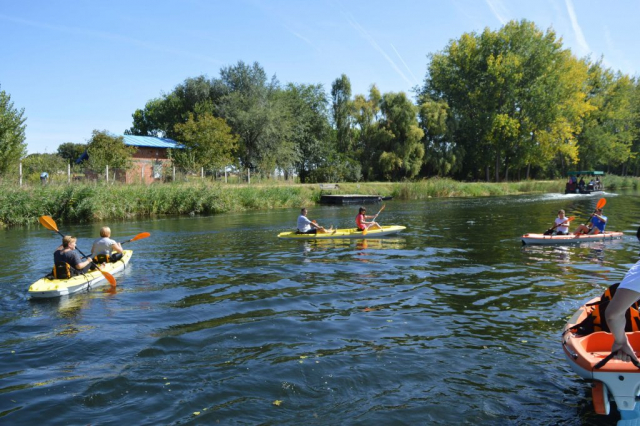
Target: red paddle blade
[(109, 278), (48, 223), (601, 203), (140, 236)]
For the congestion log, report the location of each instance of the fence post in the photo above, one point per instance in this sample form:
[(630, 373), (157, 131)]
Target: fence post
[(20, 173), (69, 173), (174, 174), (142, 174), (107, 173), (225, 175), (202, 172), (248, 176)]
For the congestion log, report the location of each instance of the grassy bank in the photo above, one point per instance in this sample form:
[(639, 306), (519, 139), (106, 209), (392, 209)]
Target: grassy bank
[(96, 202)]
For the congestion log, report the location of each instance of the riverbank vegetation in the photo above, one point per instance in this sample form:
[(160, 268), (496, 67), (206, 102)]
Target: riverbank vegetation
[(97, 202)]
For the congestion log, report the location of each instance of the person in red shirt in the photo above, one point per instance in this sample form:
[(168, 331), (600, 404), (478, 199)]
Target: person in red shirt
[(362, 223)]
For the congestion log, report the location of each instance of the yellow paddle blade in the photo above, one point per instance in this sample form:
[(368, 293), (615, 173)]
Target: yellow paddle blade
[(48, 223), (364, 231), (140, 236), (601, 203)]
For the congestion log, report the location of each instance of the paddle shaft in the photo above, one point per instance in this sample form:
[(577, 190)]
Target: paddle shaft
[(83, 255), (366, 229)]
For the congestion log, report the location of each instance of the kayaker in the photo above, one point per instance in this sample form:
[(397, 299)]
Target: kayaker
[(596, 224), (103, 248), (627, 294), (361, 220), (306, 226), (67, 261), (561, 224)]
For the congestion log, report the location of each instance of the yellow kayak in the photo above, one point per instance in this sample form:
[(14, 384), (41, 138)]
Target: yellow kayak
[(46, 288), (344, 233)]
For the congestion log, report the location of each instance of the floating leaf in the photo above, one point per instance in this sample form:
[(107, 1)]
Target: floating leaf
[(277, 402), (196, 413)]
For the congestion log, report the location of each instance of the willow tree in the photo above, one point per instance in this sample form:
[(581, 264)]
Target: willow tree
[(515, 97), (342, 108), (400, 150)]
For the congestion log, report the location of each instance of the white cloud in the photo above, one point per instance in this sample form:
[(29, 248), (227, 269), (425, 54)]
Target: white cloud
[(582, 42), (498, 10)]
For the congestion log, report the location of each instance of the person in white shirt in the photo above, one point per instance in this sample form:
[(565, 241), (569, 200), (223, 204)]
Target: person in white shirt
[(306, 226), (105, 246)]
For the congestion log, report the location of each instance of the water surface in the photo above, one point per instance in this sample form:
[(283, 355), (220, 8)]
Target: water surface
[(451, 322)]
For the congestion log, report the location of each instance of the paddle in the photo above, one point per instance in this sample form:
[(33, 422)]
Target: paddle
[(365, 230), (50, 224), (567, 221), (136, 238)]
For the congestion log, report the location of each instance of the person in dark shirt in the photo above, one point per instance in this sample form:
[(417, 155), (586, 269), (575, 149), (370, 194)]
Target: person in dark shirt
[(68, 254)]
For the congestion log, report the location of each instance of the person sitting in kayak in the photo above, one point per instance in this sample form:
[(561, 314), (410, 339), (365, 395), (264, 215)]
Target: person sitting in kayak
[(361, 220), (561, 224), (103, 248), (306, 226), (627, 294), (596, 224), (67, 261)]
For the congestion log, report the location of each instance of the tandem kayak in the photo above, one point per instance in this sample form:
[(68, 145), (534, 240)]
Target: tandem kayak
[(617, 380), (568, 239), (345, 233), (46, 288)]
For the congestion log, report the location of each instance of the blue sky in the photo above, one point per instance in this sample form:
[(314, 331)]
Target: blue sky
[(76, 66)]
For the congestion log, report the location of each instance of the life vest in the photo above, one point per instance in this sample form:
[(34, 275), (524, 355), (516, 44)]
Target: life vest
[(62, 271), (359, 224), (102, 258), (597, 321)]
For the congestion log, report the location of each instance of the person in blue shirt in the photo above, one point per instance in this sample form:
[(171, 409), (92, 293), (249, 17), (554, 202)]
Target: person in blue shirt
[(596, 224)]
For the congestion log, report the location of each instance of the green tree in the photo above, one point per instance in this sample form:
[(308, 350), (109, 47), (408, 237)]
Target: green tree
[(107, 150), (342, 112), (249, 102), (610, 128), (309, 128), (12, 133), (71, 151), (366, 133), (159, 116), (442, 157), (208, 143), (516, 98), (402, 150)]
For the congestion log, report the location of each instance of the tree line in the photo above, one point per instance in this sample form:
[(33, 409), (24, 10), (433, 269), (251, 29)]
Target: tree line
[(497, 105)]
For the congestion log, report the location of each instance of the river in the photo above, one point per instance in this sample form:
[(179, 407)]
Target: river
[(217, 321)]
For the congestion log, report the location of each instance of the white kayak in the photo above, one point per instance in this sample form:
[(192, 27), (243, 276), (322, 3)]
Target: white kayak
[(351, 233), (568, 239), (45, 288)]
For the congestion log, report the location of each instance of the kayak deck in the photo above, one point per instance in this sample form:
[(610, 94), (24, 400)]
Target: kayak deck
[(568, 239), (351, 233), (46, 288)]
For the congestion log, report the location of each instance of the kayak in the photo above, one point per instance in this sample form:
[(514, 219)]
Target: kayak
[(617, 380), (344, 233), (568, 239), (46, 288)]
